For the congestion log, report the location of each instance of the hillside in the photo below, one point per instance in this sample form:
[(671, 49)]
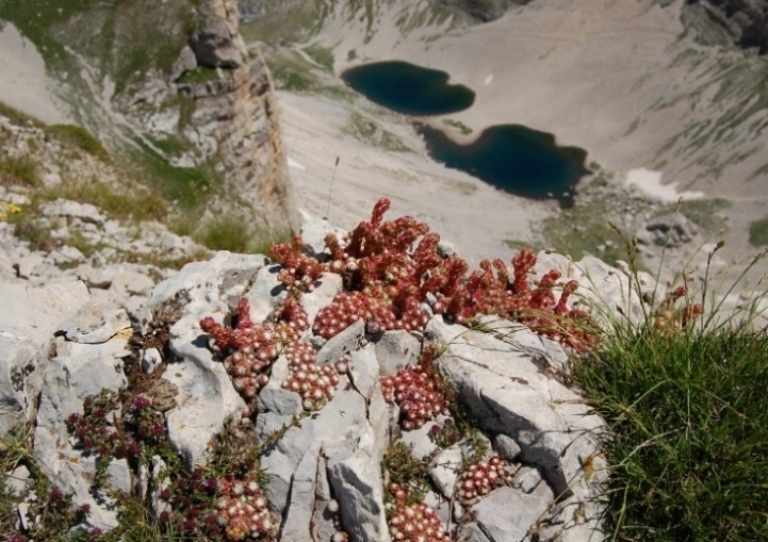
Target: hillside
[(655, 92), (169, 89), (372, 379)]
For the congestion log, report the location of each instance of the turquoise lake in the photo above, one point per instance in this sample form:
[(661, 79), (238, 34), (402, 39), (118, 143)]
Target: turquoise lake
[(512, 157)]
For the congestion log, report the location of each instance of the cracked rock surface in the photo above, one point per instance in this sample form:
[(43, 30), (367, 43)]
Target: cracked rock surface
[(329, 470)]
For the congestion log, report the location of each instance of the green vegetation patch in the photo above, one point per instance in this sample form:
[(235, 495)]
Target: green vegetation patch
[(286, 23), (368, 131), (19, 171), (17, 116), (688, 416), (583, 230), (80, 138), (706, 213), (321, 55), (292, 72), (758, 232), (460, 126), (199, 75), (124, 39), (139, 204), (236, 235), (189, 187)]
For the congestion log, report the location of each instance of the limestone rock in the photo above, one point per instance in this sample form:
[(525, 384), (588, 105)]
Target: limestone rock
[(506, 515), (187, 61), (673, 230), (36, 312), (77, 371), (97, 322), (508, 395), (21, 380), (396, 350)]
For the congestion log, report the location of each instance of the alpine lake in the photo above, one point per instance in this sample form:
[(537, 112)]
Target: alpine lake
[(521, 161)]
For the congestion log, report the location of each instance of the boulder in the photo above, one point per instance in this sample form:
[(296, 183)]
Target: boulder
[(218, 45), (671, 230)]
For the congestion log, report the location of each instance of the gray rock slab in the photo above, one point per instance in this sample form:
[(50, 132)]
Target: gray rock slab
[(313, 233), (265, 293), (301, 504), (37, 311), (97, 322), (77, 371), (446, 469), (395, 350), (326, 507), (419, 441), (506, 515), (273, 398), (73, 209), (343, 344), (364, 369), (219, 282), (131, 283), (351, 435), (356, 481), (206, 396), (507, 447)]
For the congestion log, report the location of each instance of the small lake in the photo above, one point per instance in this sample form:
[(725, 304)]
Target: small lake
[(514, 158), (409, 89), (511, 157)]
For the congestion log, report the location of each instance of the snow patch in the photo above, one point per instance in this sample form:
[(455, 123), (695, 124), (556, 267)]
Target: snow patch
[(649, 182)]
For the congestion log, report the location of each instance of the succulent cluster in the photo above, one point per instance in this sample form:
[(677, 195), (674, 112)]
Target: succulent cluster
[(389, 283), (414, 522), (242, 510), (315, 384), (416, 394), (479, 479), (299, 272), (249, 348)]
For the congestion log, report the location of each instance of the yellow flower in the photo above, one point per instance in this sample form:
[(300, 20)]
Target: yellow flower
[(8, 208)]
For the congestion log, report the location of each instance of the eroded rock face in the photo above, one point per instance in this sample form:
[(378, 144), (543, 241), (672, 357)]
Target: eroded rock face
[(745, 20), (326, 467), (235, 119)]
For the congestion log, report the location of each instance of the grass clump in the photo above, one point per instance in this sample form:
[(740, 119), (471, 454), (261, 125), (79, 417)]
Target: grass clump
[(199, 75), (758, 232), (18, 171), (137, 204), (684, 399), (80, 138), (233, 234)]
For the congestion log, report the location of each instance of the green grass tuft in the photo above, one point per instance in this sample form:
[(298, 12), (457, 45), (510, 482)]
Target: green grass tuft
[(18, 171), (685, 403), (233, 234), (689, 414)]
